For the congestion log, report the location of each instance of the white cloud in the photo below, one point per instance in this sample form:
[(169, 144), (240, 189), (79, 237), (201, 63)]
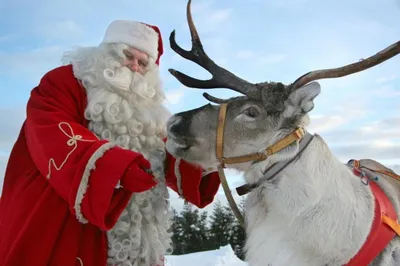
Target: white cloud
[(366, 150), (201, 6), (30, 63), (385, 91), (272, 59), (324, 123), (220, 15), (6, 38), (330, 116), (215, 45), (63, 30), (382, 143), (395, 168), (11, 120), (383, 131), (175, 96), (245, 54), (208, 18), (384, 79)]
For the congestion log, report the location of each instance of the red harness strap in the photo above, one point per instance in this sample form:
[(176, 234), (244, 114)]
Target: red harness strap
[(381, 234)]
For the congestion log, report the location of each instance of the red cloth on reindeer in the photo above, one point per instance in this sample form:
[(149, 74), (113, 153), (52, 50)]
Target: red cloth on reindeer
[(48, 184)]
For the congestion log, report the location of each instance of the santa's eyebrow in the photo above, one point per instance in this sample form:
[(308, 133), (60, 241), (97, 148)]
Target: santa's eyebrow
[(127, 52)]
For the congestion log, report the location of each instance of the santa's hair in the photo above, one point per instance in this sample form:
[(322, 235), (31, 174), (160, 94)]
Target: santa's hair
[(126, 108)]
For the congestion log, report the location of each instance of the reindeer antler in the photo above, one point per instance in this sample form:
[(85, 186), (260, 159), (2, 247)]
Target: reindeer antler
[(363, 64), (221, 78)]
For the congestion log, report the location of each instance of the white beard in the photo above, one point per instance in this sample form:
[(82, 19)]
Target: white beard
[(127, 109)]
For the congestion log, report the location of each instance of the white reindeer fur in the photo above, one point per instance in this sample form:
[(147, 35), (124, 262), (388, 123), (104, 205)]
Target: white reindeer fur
[(318, 213), (126, 109)]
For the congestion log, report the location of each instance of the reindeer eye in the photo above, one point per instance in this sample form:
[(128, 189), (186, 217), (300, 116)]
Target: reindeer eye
[(252, 112)]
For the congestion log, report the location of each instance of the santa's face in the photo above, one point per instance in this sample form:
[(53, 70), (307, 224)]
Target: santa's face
[(123, 70), (135, 60)]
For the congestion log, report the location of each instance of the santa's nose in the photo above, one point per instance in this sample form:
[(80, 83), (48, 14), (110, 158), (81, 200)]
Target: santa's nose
[(134, 67)]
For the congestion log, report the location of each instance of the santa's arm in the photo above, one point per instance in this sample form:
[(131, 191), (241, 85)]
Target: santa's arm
[(82, 169), (197, 187)]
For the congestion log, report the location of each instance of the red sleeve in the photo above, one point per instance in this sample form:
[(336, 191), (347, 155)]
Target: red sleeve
[(196, 189), (82, 169)]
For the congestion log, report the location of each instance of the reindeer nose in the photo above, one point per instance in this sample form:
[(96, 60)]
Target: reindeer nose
[(172, 121), (179, 125)]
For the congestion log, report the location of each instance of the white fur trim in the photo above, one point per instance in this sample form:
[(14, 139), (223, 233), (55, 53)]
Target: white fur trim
[(80, 261), (209, 171), (134, 34), (178, 177), (91, 165)]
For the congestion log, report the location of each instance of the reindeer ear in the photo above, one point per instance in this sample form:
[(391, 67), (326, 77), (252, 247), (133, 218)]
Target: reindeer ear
[(301, 100)]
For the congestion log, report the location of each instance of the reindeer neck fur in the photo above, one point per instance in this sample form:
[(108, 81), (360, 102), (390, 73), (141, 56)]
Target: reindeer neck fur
[(314, 212)]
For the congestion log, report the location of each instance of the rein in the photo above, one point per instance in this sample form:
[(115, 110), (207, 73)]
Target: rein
[(298, 134)]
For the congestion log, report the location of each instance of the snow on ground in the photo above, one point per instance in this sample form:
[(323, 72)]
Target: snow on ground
[(220, 257)]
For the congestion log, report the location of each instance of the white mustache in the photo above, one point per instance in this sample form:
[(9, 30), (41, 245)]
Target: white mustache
[(125, 80), (120, 79)]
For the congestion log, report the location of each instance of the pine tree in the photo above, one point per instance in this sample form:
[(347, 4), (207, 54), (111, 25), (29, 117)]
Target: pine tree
[(177, 233), (193, 230), (221, 225), (238, 237)]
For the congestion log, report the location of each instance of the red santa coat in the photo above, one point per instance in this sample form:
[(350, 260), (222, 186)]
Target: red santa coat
[(41, 196)]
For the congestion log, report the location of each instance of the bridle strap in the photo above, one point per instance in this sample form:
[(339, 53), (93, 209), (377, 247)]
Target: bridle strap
[(220, 133), (264, 154), (220, 156), (229, 196)]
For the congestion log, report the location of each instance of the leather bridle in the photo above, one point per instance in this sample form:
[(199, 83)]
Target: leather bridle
[(296, 135)]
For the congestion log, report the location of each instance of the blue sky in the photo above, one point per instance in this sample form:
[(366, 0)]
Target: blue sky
[(358, 115)]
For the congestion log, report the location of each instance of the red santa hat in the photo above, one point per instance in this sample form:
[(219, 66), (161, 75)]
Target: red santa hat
[(144, 37)]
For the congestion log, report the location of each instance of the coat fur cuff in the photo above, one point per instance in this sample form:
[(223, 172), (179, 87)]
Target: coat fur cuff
[(91, 165)]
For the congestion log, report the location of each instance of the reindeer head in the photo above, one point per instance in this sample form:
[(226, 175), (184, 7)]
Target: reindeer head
[(266, 113), (250, 125)]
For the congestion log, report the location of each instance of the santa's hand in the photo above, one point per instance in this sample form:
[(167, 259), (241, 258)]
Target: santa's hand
[(138, 177)]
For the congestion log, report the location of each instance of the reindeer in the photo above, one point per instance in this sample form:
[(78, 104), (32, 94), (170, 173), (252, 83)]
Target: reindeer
[(304, 207)]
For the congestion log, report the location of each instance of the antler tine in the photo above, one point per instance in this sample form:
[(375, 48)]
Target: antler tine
[(214, 99), (363, 64), (221, 78)]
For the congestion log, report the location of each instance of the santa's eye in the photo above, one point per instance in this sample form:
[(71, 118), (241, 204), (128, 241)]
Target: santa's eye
[(142, 63)]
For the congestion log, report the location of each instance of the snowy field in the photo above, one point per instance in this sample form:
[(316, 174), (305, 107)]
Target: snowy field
[(220, 257)]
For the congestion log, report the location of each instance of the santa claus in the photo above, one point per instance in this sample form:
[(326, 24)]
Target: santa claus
[(86, 182)]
